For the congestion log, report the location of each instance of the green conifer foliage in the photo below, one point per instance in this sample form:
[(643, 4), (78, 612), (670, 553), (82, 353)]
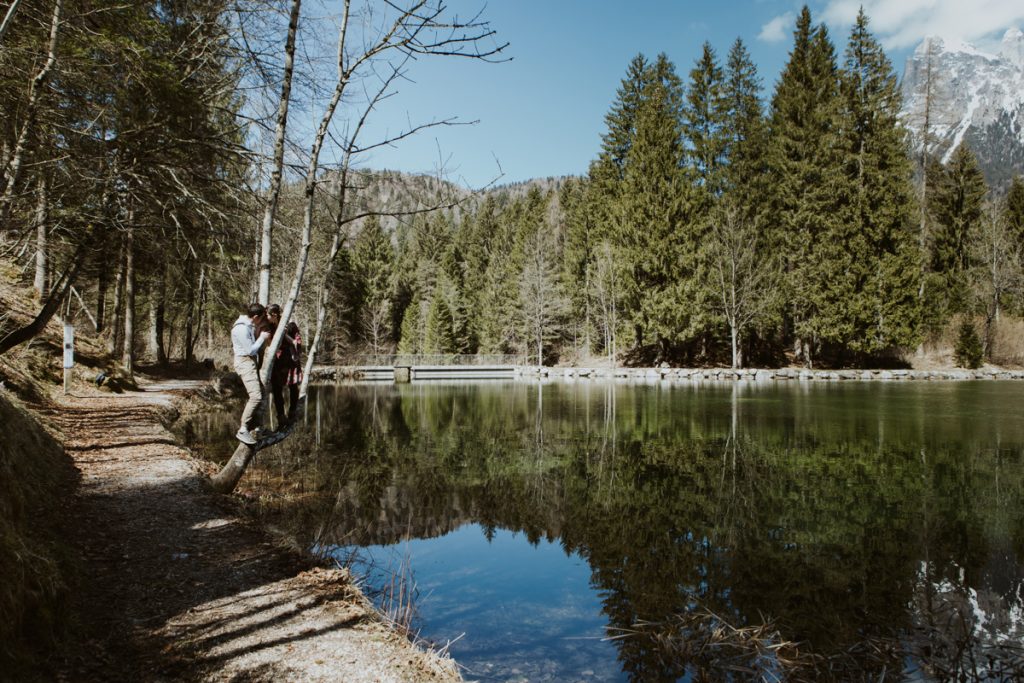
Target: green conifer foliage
[(411, 338), (881, 254), (657, 250), (956, 204), (439, 334), (373, 260), (704, 121), (579, 253), (1015, 210), (810, 197), (968, 351), (744, 129)]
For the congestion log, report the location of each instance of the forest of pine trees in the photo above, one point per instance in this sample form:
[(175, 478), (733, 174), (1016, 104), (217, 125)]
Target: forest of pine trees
[(713, 228), (715, 225)]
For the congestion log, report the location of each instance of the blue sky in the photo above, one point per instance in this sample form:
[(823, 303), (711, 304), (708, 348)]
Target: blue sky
[(542, 113)]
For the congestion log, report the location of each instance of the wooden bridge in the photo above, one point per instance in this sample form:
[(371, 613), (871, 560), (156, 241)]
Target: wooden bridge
[(419, 367)]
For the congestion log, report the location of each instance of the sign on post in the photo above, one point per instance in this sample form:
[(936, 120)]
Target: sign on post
[(69, 355)]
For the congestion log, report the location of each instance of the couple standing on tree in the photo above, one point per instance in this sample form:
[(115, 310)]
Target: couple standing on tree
[(248, 335)]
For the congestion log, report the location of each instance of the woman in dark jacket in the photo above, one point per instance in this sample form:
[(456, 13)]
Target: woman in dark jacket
[(287, 370)]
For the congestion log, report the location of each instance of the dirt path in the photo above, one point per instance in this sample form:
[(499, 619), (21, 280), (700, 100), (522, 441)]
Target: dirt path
[(176, 587)]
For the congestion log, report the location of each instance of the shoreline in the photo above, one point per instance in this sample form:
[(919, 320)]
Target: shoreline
[(325, 373), (183, 583)]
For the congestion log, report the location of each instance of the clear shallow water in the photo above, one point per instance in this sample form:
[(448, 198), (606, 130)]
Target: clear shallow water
[(881, 525)]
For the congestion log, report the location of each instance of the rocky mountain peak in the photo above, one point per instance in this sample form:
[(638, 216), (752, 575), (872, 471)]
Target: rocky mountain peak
[(955, 93)]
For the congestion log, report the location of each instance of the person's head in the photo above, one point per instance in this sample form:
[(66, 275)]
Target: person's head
[(256, 312), (274, 313)]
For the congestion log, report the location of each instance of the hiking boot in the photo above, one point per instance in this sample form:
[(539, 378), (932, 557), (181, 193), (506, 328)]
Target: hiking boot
[(245, 436)]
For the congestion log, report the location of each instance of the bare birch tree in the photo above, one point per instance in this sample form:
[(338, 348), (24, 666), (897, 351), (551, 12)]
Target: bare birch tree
[(744, 279), (277, 163), (542, 305), (416, 29), (607, 292), (998, 266)]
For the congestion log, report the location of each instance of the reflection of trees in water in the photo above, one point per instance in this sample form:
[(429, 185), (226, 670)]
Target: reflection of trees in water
[(814, 512)]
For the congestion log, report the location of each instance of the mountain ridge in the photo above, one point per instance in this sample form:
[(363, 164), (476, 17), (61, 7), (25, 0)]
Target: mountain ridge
[(955, 93)]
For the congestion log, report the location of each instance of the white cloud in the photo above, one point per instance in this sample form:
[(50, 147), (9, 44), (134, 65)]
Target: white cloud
[(904, 23), (778, 29)]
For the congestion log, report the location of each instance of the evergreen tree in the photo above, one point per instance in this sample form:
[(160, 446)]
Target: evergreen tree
[(810, 196), (578, 260), (621, 120), (956, 204), (882, 310), (1015, 210), (657, 251), (413, 331), (704, 121), (744, 131), (439, 334), (373, 261), (497, 322), (475, 240)]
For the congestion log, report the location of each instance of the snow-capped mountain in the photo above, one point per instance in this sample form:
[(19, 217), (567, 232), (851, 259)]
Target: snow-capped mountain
[(969, 96)]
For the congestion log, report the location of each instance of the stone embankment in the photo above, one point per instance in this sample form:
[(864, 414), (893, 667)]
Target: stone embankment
[(776, 374), (329, 374)]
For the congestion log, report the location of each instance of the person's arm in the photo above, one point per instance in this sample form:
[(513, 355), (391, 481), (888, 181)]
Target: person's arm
[(258, 344)]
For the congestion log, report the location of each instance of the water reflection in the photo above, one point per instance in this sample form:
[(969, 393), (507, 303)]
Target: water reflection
[(879, 526)]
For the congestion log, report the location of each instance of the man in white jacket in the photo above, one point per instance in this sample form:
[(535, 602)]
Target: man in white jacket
[(245, 346)]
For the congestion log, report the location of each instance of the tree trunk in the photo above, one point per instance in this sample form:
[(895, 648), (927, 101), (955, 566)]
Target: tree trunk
[(735, 346), (42, 229), (101, 296), (227, 479), (195, 316), (314, 346), (117, 319), (128, 354), (157, 304), (276, 172)]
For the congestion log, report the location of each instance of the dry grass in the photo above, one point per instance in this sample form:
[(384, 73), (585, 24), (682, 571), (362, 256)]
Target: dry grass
[(1008, 342), (1007, 351)]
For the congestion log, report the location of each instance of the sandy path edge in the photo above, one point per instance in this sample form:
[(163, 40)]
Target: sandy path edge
[(178, 587)]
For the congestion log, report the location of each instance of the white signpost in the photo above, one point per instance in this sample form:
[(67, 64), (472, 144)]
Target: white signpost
[(69, 355)]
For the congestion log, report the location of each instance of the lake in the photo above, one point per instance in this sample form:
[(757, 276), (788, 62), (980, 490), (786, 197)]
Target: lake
[(589, 531)]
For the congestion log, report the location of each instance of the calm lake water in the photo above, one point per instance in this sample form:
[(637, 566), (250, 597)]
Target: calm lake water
[(611, 532)]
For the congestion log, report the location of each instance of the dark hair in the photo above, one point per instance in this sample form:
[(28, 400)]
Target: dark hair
[(273, 309), (292, 329), (256, 310)]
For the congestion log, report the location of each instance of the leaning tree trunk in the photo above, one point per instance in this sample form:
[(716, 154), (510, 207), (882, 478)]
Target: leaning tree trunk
[(227, 479), (58, 293)]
